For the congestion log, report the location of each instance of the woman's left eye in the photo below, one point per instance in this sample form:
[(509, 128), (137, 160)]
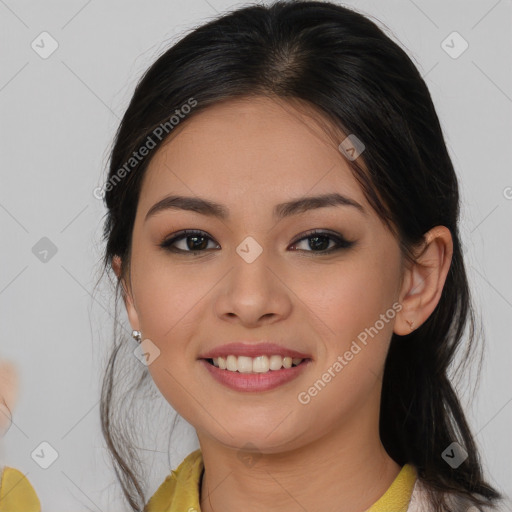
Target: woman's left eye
[(320, 239), (196, 241)]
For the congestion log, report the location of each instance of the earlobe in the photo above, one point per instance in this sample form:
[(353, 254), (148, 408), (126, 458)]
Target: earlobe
[(424, 280), (116, 265), (117, 268)]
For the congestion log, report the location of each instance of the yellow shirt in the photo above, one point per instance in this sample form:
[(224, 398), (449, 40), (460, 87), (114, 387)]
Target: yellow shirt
[(180, 490), (16, 493)]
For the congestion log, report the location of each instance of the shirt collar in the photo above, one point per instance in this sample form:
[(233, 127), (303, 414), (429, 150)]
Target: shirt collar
[(181, 489)]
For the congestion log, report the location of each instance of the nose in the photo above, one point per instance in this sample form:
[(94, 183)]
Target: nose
[(253, 293)]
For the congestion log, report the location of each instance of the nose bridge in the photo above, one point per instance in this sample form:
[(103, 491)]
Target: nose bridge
[(251, 262), (251, 290), (250, 249)]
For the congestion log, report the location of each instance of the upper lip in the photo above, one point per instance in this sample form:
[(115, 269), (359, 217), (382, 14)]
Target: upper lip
[(252, 350)]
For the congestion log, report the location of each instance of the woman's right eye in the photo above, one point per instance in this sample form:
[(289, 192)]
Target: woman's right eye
[(193, 241)]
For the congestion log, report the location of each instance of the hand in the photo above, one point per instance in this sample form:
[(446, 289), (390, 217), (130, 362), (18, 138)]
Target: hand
[(9, 385)]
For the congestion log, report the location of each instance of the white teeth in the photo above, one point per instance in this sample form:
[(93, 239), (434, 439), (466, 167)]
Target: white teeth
[(244, 364), (231, 363), (260, 364), (275, 362)]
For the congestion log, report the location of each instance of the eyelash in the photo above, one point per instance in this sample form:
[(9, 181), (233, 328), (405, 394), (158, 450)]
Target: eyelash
[(342, 243)]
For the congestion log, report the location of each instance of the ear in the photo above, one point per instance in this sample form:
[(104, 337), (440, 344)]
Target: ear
[(424, 280), (127, 294)]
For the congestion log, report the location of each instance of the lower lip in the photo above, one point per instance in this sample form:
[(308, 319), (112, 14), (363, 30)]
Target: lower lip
[(255, 381)]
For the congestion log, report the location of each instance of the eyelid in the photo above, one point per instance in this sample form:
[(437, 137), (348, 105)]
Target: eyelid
[(180, 235), (338, 238), (320, 232)]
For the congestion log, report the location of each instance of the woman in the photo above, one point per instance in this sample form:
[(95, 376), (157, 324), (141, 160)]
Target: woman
[(283, 227)]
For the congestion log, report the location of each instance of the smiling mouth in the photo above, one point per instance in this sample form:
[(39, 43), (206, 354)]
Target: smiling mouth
[(260, 364)]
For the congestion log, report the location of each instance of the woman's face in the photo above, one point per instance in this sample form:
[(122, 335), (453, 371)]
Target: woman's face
[(257, 277)]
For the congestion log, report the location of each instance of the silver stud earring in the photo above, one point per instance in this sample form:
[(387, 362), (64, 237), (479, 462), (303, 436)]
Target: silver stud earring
[(137, 335), (411, 324)]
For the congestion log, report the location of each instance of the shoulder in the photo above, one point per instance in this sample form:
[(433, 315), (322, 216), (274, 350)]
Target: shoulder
[(180, 489), (16, 492), (420, 502)]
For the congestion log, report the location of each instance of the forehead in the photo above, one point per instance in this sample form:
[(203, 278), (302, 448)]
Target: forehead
[(250, 150)]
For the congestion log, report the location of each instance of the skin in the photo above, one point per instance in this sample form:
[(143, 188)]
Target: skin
[(249, 155), (9, 383)]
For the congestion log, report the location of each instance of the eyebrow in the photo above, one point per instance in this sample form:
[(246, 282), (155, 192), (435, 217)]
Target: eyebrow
[(287, 209)]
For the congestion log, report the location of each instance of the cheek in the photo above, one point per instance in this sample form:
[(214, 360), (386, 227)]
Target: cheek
[(167, 295), (352, 296), (167, 300), (355, 305)]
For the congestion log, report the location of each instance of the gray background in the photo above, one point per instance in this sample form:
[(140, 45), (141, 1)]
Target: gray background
[(58, 117)]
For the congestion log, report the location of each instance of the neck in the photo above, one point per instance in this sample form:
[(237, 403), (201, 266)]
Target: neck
[(348, 466)]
